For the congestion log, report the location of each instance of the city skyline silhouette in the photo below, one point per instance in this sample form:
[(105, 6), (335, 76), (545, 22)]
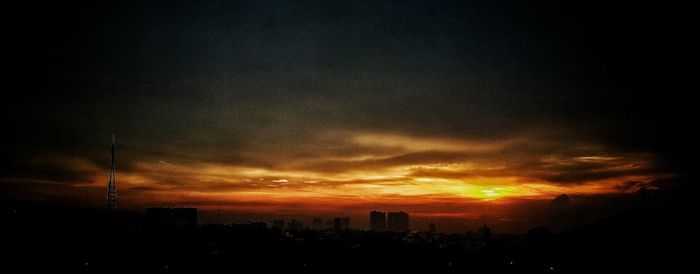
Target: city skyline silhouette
[(348, 136)]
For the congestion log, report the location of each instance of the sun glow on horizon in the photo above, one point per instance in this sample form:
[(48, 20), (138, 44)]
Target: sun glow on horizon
[(393, 169)]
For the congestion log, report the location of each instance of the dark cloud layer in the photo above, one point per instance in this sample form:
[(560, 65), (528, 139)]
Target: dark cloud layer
[(259, 83)]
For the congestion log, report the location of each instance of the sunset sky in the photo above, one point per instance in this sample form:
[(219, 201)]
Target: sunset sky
[(437, 108)]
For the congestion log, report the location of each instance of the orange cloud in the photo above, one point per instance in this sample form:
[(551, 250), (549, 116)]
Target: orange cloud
[(374, 168), (396, 167)]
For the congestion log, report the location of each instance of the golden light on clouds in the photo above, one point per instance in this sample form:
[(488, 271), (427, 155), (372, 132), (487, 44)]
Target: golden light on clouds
[(391, 168), (365, 168)]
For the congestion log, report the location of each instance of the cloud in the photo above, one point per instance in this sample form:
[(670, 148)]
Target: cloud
[(51, 167), (370, 104), (361, 166)]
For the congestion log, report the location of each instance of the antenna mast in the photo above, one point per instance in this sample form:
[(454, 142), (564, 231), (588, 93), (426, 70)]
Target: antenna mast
[(112, 192)]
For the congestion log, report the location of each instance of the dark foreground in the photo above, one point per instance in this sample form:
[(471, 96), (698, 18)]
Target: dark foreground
[(51, 239)]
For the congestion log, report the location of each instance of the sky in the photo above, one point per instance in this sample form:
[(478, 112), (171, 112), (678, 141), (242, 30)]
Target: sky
[(443, 109)]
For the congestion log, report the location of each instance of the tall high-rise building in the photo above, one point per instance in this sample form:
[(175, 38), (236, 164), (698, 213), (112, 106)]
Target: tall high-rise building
[(345, 223), (432, 229), (166, 216), (398, 221), (317, 224), (485, 232), (377, 221), (112, 184), (295, 225), (278, 224), (341, 223), (328, 224)]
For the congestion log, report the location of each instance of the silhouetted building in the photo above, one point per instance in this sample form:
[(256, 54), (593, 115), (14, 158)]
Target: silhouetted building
[(398, 221), (377, 221), (295, 225), (328, 224), (278, 224), (341, 223), (560, 202), (257, 224), (485, 233), (166, 216), (432, 229), (345, 223), (317, 224), (336, 223), (560, 216)]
